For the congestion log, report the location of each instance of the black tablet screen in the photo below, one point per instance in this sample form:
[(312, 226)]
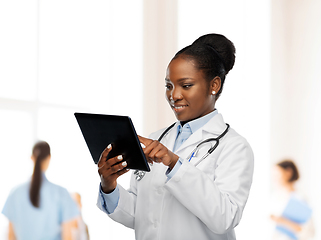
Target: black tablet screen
[(100, 130)]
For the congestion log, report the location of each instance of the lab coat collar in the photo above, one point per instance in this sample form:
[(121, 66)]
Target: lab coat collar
[(215, 126), (199, 122)]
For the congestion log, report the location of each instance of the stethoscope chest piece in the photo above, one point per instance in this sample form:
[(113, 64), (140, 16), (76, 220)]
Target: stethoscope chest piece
[(139, 175)]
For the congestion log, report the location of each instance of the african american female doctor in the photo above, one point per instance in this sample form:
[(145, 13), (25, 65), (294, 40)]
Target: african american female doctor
[(190, 192)]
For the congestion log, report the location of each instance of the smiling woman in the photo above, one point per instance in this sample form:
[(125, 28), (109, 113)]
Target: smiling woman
[(206, 190)]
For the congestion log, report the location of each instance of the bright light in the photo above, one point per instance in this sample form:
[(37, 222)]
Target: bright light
[(59, 57)]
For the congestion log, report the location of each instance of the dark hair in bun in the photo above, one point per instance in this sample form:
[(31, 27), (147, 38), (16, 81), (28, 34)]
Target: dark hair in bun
[(213, 54)]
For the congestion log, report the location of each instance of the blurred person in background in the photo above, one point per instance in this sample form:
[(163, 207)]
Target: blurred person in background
[(39, 209), (80, 229), (291, 215)]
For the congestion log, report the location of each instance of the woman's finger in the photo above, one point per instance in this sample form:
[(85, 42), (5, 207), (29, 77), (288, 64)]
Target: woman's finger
[(162, 153), (156, 148), (109, 174), (118, 167), (149, 160), (145, 141), (111, 166), (123, 171), (113, 161), (152, 147), (103, 155), (148, 149)]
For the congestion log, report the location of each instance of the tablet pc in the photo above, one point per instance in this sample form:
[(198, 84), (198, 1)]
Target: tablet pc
[(100, 130)]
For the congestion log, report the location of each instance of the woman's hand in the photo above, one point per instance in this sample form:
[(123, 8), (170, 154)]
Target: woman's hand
[(287, 223), (109, 170), (157, 152)]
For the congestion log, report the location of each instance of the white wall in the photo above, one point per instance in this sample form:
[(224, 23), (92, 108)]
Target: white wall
[(245, 100), (160, 45), (295, 93)]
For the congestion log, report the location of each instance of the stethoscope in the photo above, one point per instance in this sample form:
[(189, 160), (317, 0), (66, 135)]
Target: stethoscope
[(197, 148), (140, 174)]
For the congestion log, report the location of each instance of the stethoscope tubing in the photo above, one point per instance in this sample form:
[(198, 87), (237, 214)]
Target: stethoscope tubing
[(217, 139), (140, 174)]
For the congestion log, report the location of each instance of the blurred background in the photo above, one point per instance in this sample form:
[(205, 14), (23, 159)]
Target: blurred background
[(110, 56)]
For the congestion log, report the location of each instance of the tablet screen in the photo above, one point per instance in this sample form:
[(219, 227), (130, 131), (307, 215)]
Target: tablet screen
[(100, 130)]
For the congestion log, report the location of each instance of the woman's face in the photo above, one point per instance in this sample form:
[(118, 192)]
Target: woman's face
[(187, 92), (281, 175)]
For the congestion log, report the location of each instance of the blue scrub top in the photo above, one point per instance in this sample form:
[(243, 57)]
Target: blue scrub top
[(56, 207)]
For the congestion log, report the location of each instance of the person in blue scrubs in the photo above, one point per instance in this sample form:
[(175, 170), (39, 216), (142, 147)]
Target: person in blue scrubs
[(39, 209)]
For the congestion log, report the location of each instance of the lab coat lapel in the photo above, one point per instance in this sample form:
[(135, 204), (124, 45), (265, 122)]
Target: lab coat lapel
[(213, 128)]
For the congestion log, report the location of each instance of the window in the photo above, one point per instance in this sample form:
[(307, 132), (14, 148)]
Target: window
[(59, 57)]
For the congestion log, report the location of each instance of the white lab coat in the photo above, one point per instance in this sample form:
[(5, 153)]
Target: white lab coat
[(202, 202)]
